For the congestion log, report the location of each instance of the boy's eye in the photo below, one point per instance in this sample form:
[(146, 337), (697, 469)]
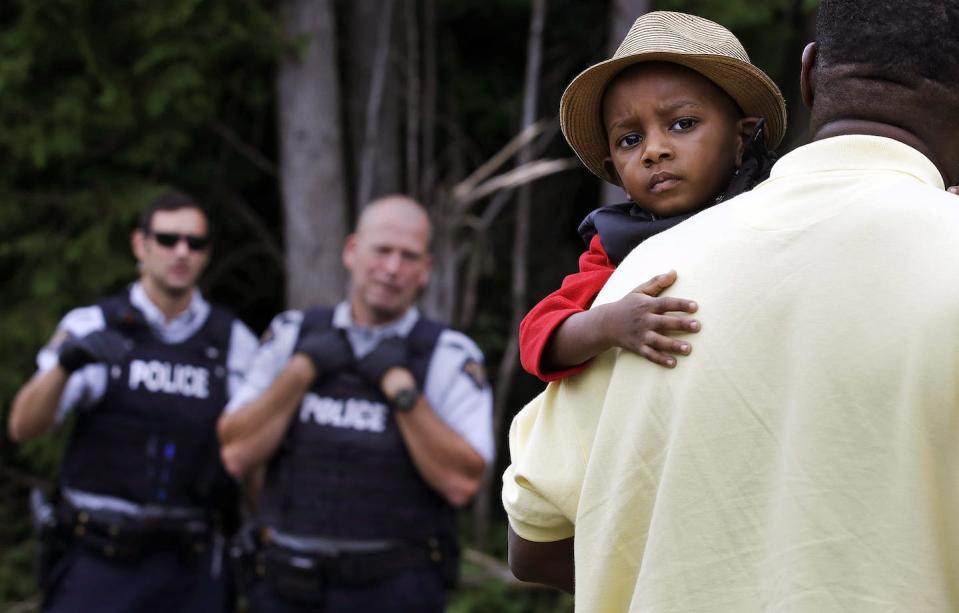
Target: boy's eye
[(630, 140), (683, 124)]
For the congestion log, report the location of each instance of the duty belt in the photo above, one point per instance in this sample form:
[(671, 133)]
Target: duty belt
[(118, 534), (298, 566)]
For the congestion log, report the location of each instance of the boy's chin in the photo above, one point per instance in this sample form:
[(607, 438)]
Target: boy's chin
[(670, 209)]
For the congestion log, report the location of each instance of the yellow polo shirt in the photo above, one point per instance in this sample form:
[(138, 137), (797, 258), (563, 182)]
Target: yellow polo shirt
[(805, 456)]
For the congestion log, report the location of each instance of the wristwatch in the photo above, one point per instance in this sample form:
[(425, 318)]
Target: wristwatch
[(405, 399)]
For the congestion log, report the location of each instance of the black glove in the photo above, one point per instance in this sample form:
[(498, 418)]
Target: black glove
[(390, 352), (102, 346), (329, 350)]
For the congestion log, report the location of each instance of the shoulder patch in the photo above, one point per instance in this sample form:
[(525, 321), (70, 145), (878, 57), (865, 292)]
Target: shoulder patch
[(475, 371)]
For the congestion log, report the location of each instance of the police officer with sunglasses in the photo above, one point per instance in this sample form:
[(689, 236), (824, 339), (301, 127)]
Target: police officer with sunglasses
[(142, 502)]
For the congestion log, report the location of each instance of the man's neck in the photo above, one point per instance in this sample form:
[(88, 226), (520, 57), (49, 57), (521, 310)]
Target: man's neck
[(366, 318), (171, 304)]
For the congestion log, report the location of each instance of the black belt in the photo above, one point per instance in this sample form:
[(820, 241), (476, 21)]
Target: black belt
[(303, 576), (347, 567), (122, 536)]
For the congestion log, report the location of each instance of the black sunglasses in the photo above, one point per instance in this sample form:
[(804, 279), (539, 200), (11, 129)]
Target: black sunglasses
[(172, 239)]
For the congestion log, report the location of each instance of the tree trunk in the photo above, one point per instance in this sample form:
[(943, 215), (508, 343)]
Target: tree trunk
[(311, 145), (622, 14), (520, 264), (428, 157), (373, 106), (413, 100)]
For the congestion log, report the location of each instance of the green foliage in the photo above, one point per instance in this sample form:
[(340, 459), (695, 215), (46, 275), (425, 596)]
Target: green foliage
[(767, 29), (16, 563), (103, 103), (120, 85), (496, 597)]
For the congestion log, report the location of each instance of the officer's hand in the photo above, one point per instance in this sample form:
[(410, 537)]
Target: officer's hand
[(329, 350), (390, 353), (102, 346)]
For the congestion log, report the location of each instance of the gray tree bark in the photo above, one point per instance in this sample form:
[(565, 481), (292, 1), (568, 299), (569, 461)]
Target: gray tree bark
[(373, 106), (520, 260), (413, 100), (311, 155), (429, 101)]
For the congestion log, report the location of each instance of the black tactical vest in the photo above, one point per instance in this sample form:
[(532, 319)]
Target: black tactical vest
[(343, 471), (152, 438)]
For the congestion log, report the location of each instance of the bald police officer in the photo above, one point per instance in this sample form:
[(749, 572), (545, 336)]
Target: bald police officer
[(148, 372), (372, 424)]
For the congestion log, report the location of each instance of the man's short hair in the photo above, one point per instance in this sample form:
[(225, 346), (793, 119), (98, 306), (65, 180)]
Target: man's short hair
[(899, 41), (171, 200)]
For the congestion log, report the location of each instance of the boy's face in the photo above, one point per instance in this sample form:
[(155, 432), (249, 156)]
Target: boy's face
[(675, 138)]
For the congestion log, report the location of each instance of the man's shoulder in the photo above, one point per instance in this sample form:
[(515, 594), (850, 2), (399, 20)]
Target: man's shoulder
[(291, 317), (674, 249), (939, 201), (224, 312), (454, 341), (283, 325), (77, 322), (83, 320), (457, 354), (232, 330)]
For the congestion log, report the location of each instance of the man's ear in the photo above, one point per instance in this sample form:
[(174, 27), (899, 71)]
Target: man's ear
[(807, 76), (427, 270), (611, 175), (745, 127), (349, 247), (138, 244)]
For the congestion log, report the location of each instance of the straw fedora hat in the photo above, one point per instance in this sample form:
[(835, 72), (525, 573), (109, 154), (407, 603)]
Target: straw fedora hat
[(663, 36)]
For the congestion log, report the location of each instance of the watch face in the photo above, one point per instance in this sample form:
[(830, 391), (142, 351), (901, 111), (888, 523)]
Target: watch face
[(404, 399)]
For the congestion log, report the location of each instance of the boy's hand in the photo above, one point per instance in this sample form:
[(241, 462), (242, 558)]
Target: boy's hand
[(636, 321), (954, 190)]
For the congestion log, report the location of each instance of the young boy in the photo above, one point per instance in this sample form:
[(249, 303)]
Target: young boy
[(680, 119)]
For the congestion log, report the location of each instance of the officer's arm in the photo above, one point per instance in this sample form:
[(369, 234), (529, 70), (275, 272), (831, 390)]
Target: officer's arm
[(443, 458), (547, 563), (35, 406), (250, 434), (252, 487)]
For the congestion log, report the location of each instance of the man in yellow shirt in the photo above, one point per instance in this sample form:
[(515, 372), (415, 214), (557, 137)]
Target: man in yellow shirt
[(805, 459)]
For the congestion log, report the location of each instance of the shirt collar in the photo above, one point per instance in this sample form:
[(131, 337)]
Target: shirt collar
[(343, 318), (189, 320), (858, 152)]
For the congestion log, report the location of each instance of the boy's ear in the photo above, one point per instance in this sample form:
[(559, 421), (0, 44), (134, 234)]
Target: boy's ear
[(745, 127), (611, 175)]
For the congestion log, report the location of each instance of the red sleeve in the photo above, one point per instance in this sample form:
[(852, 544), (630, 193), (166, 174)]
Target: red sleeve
[(574, 295)]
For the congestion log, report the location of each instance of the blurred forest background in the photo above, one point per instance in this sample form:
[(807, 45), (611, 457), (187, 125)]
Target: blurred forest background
[(285, 116)]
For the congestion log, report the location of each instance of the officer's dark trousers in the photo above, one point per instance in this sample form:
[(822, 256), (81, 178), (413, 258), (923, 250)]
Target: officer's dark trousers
[(412, 591), (83, 582)]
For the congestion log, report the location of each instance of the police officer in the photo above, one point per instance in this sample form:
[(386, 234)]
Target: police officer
[(373, 424), (147, 372)]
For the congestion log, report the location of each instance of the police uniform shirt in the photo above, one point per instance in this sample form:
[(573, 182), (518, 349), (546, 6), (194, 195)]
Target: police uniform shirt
[(455, 387), (87, 386)]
